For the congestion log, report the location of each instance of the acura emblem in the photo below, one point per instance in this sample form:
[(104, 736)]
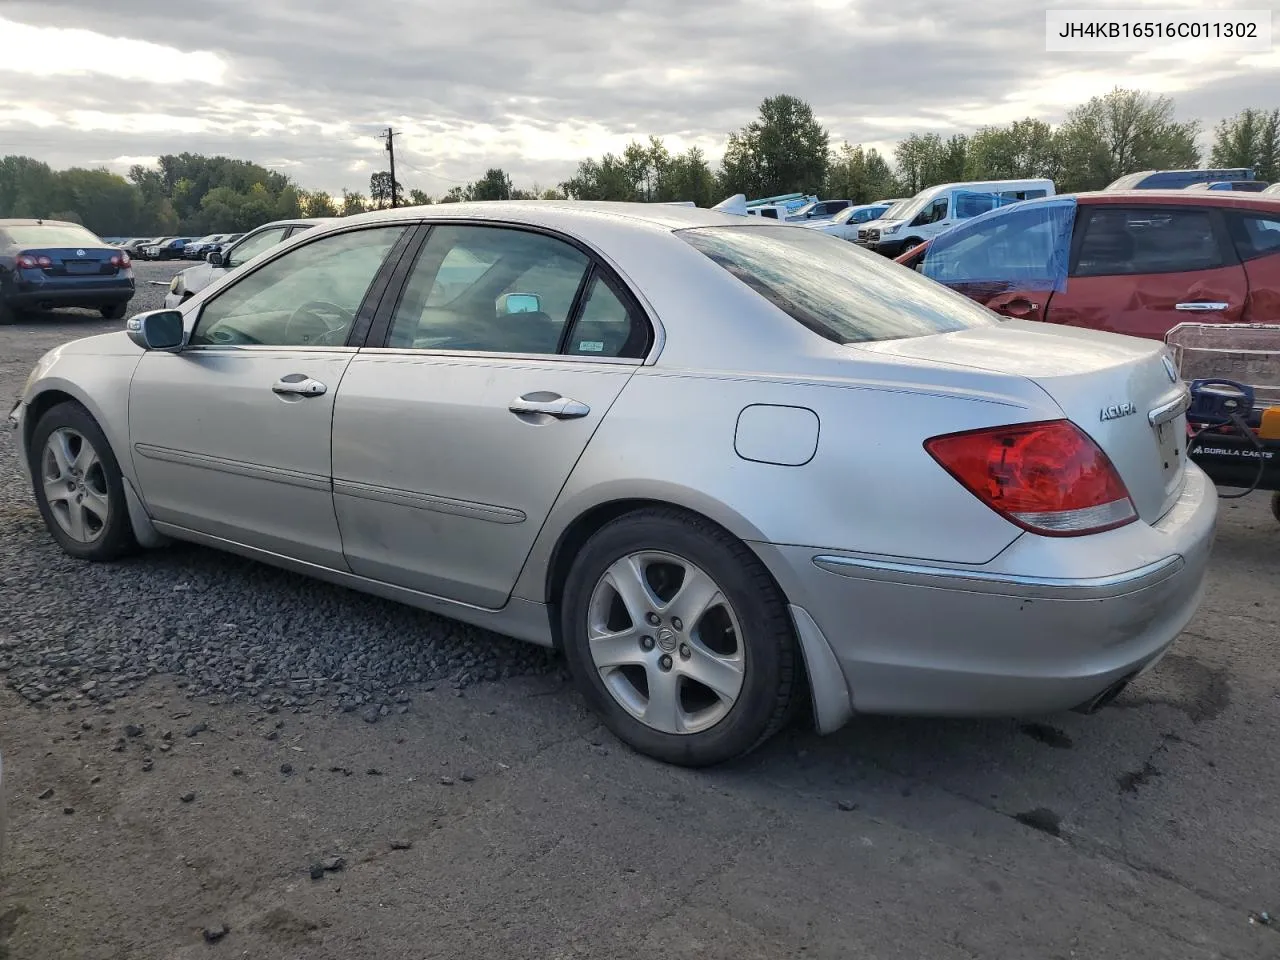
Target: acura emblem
[(1116, 411)]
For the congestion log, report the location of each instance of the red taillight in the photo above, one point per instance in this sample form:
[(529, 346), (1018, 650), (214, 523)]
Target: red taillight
[(120, 261), (27, 262), (1049, 478)]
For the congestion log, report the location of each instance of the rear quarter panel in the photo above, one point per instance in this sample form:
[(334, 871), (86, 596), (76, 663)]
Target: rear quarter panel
[(1263, 304), (870, 487)]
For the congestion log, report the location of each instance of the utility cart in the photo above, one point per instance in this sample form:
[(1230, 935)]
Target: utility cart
[(1233, 423)]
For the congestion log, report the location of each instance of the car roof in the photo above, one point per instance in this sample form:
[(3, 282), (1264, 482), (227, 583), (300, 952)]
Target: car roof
[(563, 213), (1198, 198), (290, 221), (30, 222)]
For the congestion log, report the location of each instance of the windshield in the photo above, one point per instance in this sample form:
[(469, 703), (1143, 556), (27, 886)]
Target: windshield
[(52, 235), (804, 211), (833, 288), (906, 209)]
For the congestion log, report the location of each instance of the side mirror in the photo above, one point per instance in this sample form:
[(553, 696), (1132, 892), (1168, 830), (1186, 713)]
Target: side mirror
[(214, 258), (519, 303), (157, 330)]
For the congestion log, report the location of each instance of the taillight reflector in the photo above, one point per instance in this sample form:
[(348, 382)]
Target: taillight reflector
[(27, 262), (121, 261), (1050, 478)]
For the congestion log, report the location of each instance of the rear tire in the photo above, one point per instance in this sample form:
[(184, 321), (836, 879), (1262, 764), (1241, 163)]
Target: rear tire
[(1275, 504), (7, 313), (78, 485), (115, 311), (642, 667)]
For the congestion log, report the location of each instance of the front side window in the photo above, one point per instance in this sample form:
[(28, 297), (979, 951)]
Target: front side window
[(1120, 241), (833, 288), (307, 297), (253, 245), (933, 213)]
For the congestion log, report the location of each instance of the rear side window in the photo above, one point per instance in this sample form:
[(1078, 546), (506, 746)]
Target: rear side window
[(1120, 241), (835, 289), (51, 235), (1255, 235)]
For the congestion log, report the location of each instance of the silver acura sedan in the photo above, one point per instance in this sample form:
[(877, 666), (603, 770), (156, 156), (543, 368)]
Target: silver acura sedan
[(728, 467)]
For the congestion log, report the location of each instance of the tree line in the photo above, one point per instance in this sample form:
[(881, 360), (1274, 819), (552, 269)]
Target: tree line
[(784, 149)]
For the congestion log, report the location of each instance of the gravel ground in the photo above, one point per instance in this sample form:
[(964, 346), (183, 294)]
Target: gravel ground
[(95, 634)]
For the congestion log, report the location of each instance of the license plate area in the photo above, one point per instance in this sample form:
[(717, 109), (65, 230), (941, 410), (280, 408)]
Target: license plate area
[(1171, 439), (82, 267)]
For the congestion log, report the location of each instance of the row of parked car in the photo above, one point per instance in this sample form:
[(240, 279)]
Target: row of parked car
[(892, 227), (47, 264), (176, 248)]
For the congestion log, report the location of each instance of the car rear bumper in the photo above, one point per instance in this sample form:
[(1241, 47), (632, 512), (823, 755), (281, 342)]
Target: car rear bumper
[(69, 294), (914, 638)]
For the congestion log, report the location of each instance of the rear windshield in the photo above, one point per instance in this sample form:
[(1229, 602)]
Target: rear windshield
[(51, 235), (835, 289)]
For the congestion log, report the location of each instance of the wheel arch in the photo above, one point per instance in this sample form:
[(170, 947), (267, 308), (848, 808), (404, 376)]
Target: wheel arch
[(577, 523), (829, 697), (57, 392)]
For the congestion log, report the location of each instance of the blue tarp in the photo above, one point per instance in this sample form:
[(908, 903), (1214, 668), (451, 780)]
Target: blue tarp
[(1026, 245)]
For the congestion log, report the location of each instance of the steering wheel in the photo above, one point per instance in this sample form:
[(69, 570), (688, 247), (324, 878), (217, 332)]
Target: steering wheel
[(318, 323)]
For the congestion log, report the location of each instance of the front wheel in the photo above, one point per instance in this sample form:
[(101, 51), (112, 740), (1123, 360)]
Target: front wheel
[(910, 244), (78, 485), (679, 638), (115, 311)]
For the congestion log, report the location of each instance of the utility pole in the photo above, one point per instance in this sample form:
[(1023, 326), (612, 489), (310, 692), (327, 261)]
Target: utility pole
[(391, 149)]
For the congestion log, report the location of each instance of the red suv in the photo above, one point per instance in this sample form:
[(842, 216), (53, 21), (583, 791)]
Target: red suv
[(1137, 263)]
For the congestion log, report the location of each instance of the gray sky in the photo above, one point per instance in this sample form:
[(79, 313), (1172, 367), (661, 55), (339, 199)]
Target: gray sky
[(304, 86)]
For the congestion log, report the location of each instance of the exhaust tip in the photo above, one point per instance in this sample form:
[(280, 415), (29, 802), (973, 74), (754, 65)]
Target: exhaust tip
[(1106, 697)]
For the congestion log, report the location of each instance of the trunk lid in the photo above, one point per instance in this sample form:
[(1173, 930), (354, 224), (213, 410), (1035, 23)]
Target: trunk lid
[(1119, 390), (77, 261)]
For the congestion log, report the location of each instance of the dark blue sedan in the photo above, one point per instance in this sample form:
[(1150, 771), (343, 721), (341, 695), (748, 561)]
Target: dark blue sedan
[(49, 263)]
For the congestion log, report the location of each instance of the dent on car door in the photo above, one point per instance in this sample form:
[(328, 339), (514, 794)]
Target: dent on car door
[(1257, 241), (452, 442), (230, 437), (1013, 261), (1141, 270)]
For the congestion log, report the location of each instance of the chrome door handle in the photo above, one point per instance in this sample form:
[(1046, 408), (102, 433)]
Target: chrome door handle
[(298, 385), (1202, 305), (562, 408)]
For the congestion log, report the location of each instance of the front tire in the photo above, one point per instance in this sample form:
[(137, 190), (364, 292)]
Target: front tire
[(115, 311), (678, 637), (78, 485)]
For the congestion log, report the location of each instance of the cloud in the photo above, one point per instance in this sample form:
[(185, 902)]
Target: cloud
[(308, 85)]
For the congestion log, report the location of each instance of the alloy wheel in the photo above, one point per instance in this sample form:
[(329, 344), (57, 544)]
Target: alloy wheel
[(666, 642), (75, 485)]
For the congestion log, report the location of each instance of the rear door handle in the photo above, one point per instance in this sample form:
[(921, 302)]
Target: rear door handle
[(553, 405), (1202, 306), (298, 385)]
